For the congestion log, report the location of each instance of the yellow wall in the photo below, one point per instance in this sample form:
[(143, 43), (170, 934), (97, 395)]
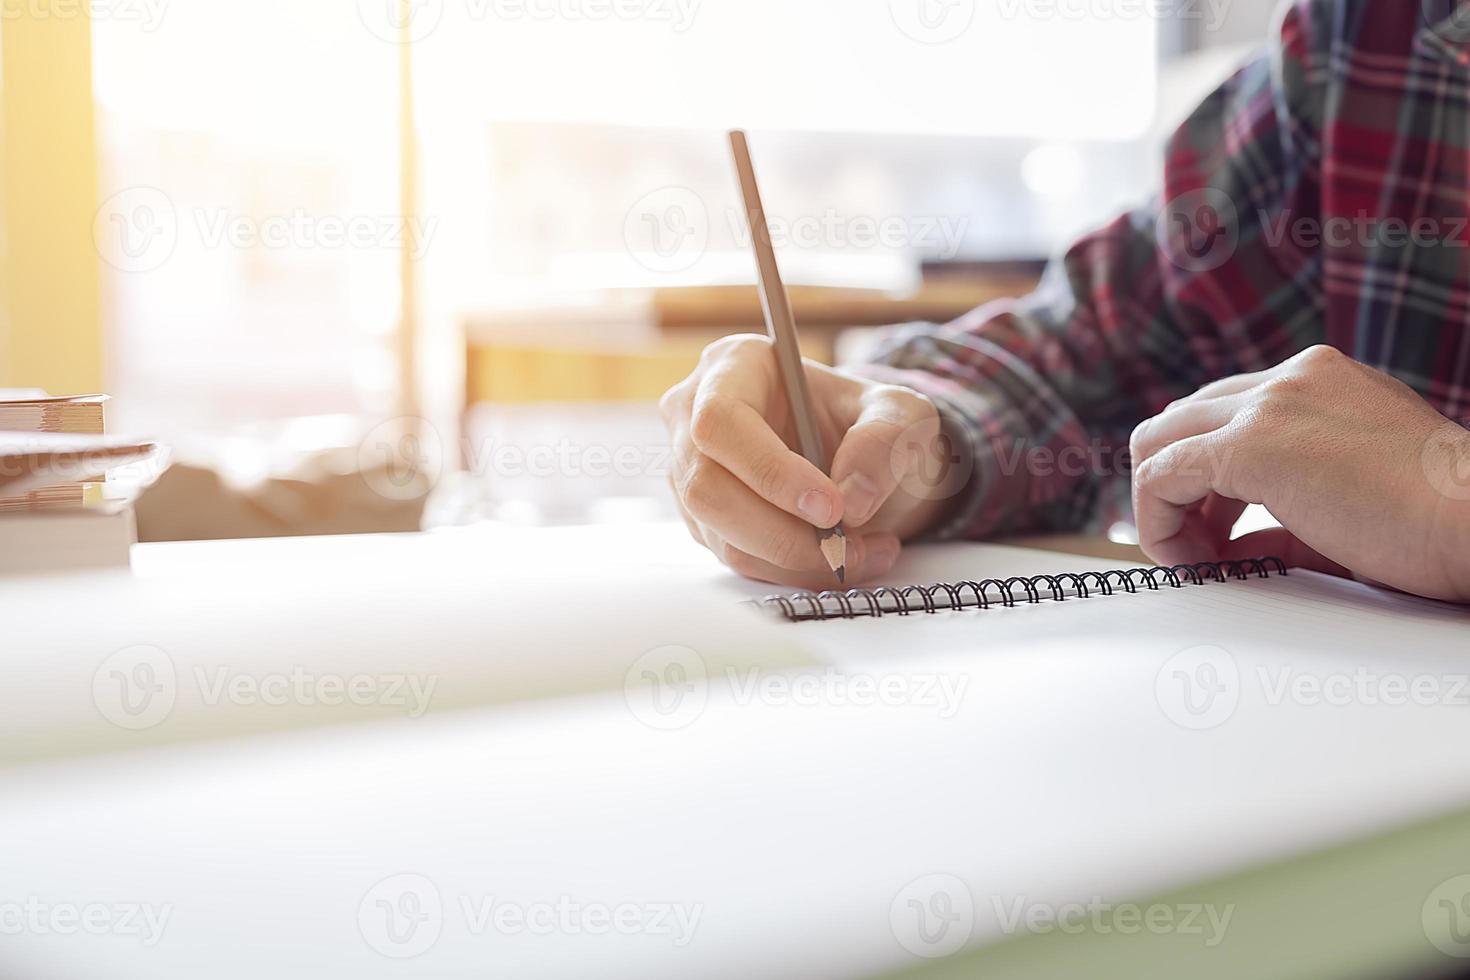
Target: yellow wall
[(51, 323)]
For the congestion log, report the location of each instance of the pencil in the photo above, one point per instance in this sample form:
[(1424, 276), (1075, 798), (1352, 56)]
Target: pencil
[(781, 326)]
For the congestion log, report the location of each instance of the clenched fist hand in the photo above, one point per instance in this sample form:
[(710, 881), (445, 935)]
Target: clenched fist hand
[(1365, 477), (754, 501)]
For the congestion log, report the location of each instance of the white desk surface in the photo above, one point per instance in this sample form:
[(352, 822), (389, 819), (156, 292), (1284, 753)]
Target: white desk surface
[(790, 831)]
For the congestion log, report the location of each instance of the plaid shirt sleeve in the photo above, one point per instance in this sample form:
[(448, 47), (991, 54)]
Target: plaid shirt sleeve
[(1041, 395)]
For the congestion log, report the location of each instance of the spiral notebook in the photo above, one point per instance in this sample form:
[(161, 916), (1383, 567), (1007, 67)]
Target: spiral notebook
[(978, 595)]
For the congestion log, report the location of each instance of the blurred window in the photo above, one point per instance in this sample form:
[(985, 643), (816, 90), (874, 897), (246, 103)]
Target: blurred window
[(250, 166), (250, 183)]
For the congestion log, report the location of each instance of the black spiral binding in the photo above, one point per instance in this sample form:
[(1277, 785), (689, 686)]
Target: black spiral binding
[(952, 596)]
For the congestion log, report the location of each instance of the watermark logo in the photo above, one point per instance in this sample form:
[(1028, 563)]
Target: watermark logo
[(675, 922), (135, 688), (1446, 917), (1199, 230), (401, 916), (931, 461), (1446, 462), (132, 920), (140, 228), (303, 230), (401, 21), (1449, 19), (401, 459), (933, 916), (940, 236), (932, 21), (667, 688), (411, 21), (1362, 230), (1361, 686), (147, 14), (942, 694), (136, 230), (1209, 14), (667, 230), (1207, 922), (413, 694), (404, 915), (677, 14), (567, 459), (1199, 688)]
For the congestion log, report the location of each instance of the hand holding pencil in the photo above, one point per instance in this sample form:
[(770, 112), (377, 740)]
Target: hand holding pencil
[(750, 460), (832, 541)]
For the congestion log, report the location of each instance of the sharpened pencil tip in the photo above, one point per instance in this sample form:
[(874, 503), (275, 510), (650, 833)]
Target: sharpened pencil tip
[(833, 543)]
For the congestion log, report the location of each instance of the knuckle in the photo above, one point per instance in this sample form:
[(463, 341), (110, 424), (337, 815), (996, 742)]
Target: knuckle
[(698, 491), (1138, 442), (1147, 472), (669, 403), (867, 444), (784, 551), (909, 403), (767, 477), (739, 562), (1278, 396), (735, 346), (1320, 357), (711, 418), (694, 532), (1253, 418)]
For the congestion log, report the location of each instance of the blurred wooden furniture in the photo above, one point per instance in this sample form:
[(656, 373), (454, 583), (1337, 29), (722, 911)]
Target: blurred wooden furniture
[(1090, 546), (819, 309), (633, 344)]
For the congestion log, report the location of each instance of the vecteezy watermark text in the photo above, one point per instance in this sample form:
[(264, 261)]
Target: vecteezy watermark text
[(1101, 917), (1201, 687), (668, 688), (140, 228), (941, 693), (32, 916), (1365, 231), (668, 230), (412, 21), (403, 915), (137, 688), (147, 14), (936, 914), (1210, 14)]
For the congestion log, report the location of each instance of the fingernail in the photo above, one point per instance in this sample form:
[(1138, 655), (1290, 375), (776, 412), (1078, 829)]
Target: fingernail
[(816, 507), (859, 497)]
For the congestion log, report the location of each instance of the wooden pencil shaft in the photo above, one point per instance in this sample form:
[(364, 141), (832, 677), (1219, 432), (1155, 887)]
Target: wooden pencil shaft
[(776, 305)]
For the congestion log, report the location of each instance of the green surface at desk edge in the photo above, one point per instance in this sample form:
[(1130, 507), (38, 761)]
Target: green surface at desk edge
[(1352, 911)]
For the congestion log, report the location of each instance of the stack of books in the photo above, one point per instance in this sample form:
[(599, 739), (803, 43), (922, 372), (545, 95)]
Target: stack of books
[(57, 510)]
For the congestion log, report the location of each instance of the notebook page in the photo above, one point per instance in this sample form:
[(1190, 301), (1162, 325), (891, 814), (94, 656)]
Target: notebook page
[(1310, 617)]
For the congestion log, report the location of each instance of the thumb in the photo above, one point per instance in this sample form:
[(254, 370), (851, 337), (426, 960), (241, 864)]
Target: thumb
[(894, 424)]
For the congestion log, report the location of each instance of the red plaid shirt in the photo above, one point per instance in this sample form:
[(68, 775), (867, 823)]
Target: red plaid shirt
[(1321, 195)]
